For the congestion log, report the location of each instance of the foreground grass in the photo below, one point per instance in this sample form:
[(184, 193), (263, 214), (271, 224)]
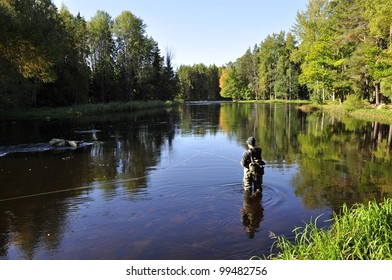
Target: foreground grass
[(86, 109), (363, 232)]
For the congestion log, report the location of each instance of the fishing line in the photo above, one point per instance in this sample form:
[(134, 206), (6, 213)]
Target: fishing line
[(102, 184), (44, 193), (225, 157), (119, 180)]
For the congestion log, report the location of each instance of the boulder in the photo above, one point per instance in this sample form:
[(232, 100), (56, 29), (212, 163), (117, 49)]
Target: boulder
[(57, 142)]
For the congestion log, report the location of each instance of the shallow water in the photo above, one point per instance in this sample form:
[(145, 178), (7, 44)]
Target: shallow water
[(167, 184)]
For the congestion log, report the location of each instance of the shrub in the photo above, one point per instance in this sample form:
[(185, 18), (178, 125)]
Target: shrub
[(353, 102)]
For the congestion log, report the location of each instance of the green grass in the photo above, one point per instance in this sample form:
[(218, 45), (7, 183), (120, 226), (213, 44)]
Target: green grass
[(292, 101), (85, 110), (377, 115), (363, 232), (366, 113)]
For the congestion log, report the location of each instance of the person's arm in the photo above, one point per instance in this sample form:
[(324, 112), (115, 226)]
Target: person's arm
[(244, 159)]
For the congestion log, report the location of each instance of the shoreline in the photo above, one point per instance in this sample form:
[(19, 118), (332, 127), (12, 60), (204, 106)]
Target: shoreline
[(381, 114), (370, 113), (85, 109)]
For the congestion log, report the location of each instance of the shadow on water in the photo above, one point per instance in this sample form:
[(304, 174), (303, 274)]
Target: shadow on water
[(167, 184)]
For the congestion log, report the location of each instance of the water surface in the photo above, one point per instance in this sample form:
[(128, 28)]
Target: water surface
[(166, 184)]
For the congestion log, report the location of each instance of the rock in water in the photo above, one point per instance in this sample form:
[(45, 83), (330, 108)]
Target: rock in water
[(73, 144), (56, 142)]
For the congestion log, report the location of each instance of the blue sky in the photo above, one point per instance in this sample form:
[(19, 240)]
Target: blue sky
[(201, 31)]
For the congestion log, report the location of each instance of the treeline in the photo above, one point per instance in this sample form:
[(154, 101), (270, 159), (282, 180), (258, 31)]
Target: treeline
[(199, 82), (266, 72), (335, 49), (49, 57)]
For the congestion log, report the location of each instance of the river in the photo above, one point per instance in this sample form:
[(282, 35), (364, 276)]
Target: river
[(166, 184)]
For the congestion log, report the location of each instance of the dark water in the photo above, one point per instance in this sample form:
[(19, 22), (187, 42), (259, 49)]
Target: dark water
[(166, 184)]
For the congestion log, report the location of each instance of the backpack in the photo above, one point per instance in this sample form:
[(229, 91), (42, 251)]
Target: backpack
[(256, 167)]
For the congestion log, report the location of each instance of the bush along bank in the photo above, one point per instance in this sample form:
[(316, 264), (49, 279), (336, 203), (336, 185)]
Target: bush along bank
[(86, 109), (362, 232)]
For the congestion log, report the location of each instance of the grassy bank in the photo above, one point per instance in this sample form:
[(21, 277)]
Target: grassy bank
[(292, 101), (365, 112), (85, 110), (376, 115), (355, 108), (362, 232)]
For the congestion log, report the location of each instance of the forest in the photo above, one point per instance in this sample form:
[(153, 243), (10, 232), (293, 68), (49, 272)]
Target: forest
[(336, 49), (49, 57)]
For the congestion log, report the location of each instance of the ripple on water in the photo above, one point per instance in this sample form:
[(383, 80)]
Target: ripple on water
[(271, 196)]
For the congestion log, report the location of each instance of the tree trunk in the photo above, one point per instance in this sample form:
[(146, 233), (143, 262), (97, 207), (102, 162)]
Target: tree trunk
[(390, 138), (375, 131), (377, 93)]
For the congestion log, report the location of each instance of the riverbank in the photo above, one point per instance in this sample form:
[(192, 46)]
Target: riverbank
[(85, 109), (362, 232), (354, 108), (367, 112)]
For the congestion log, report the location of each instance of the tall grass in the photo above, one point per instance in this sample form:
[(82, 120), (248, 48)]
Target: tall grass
[(363, 232), (87, 109)]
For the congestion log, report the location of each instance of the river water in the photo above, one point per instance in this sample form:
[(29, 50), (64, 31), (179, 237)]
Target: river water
[(166, 184)]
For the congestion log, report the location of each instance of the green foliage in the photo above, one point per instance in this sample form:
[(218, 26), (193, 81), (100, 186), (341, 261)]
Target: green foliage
[(353, 102), (198, 82), (267, 72), (27, 49), (386, 86), (361, 232), (345, 48), (247, 75), (86, 109), (231, 84), (53, 58)]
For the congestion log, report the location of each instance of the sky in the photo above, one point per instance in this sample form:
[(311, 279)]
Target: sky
[(201, 31)]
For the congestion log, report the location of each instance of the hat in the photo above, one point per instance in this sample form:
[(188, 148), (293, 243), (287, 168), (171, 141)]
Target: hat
[(251, 141)]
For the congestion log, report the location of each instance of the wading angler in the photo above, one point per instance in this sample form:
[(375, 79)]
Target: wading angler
[(253, 167)]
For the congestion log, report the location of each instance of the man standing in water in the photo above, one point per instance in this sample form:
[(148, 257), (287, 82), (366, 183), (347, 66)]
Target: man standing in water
[(253, 175)]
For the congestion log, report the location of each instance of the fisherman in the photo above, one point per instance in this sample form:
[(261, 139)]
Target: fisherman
[(253, 166)]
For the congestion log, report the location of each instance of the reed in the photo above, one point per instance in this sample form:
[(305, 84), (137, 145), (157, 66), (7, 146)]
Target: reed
[(86, 109), (362, 232)]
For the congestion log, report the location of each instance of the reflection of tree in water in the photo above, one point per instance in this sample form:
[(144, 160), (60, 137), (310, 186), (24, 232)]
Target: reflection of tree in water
[(129, 147), (275, 127), (252, 212), (340, 159), (200, 119), (33, 224), (126, 149), (346, 161)]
